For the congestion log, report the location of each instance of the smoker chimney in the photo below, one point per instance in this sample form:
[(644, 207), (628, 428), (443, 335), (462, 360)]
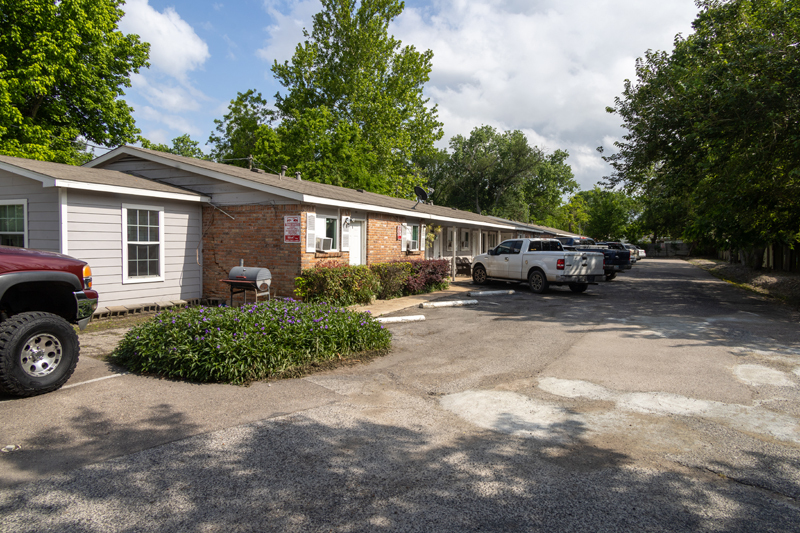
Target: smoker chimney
[(297, 175), (283, 170)]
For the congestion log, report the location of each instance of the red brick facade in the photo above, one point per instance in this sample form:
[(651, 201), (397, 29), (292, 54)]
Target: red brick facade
[(255, 234), (382, 243)]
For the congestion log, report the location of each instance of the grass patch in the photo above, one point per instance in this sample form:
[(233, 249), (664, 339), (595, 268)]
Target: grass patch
[(280, 338)]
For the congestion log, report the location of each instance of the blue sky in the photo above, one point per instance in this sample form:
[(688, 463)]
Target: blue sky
[(546, 67)]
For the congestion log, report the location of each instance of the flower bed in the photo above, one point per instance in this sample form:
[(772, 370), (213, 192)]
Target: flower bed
[(256, 341)]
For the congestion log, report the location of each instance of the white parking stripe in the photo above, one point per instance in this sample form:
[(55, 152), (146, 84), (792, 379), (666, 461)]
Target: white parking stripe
[(92, 380)]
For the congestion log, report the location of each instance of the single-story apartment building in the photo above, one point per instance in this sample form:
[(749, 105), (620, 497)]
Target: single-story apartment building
[(159, 227)]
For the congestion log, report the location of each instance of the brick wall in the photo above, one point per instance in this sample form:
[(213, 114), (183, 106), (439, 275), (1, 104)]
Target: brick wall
[(256, 235), (382, 243)]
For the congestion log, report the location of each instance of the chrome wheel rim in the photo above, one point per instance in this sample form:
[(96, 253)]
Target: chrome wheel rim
[(40, 355)]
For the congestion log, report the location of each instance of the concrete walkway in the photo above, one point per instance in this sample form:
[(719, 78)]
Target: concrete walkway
[(384, 307)]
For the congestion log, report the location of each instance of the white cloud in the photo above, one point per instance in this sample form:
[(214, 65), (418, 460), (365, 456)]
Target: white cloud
[(548, 68), (176, 123), (287, 30), (175, 48), (175, 98)]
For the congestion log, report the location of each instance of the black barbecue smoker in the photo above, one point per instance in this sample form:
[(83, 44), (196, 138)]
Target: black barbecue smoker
[(242, 279)]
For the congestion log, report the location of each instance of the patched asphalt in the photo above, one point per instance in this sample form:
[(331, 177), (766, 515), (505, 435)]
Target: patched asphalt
[(666, 400)]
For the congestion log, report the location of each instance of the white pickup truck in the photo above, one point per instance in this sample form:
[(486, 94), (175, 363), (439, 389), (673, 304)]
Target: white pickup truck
[(540, 262)]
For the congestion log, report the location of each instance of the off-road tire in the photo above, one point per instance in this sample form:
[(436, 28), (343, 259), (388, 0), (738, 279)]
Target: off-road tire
[(25, 336), (578, 287), (537, 281), (611, 276), (479, 275)]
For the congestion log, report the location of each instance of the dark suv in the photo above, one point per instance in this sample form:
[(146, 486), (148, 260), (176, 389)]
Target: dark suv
[(41, 295)]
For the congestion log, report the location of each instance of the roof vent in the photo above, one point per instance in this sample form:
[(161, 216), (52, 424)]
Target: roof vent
[(360, 190), (297, 175), (257, 170), (284, 168)]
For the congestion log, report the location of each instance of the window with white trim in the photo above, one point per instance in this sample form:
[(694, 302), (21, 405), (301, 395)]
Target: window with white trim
[(142, 243), (13, 223), (464, 239), (328, 227)]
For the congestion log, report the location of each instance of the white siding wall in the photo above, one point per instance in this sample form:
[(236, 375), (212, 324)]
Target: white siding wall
[(43, 225), (95, 236), (221, 193)]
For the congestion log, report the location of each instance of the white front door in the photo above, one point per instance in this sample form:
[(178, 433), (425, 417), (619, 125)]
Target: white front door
[(356, 248)]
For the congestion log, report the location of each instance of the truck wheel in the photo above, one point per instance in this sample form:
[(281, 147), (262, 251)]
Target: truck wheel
[(611, 276), (479, 275), (578, 287), (38, 353), (538, 282)]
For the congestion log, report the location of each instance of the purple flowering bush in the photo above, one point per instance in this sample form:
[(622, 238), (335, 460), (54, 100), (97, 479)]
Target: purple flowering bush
[(248, 343)]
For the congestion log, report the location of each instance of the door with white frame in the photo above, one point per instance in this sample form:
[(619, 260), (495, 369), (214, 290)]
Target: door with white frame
[(357, 243)]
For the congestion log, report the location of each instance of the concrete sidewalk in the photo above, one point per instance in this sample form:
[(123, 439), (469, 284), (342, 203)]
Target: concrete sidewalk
[(384, 307)]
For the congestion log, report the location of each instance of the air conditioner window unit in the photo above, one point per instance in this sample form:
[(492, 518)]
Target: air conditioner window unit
[(324, 243)]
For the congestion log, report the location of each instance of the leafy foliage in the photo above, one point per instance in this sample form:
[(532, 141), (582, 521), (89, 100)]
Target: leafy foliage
[(238, 132), (240, 345), (63, 66), (499, 174), (714, 127), (354, 109), (610, 214), (337, 283), (181, 145), (341, 284)]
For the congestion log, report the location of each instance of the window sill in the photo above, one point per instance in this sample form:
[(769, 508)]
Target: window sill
[(327, 254), (152, 279)]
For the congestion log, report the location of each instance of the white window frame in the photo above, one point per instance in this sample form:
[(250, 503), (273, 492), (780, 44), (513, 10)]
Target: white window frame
[(449, 242), (161, 245), (24, 203), (321, 229), (464, 240)]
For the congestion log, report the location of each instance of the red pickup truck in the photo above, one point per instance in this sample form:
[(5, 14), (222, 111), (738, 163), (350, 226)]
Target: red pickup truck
[(41, 295)]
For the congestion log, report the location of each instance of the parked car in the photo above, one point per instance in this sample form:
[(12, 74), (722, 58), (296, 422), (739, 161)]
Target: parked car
[(41, 295), (616, 261), (642, 253), (634, 252), (540, 262)]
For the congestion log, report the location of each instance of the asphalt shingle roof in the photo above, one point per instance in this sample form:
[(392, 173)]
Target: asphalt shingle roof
[(309, 188), (97, 176)]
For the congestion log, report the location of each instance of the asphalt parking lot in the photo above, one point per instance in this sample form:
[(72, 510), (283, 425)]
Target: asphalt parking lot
[(665, 400)]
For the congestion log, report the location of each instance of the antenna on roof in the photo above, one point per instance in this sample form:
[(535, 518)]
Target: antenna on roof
[(422, 196)]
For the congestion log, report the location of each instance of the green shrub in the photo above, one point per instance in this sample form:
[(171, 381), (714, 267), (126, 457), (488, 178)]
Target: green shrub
[(392, 278), (427, 275), (240, 345), (336, 283)]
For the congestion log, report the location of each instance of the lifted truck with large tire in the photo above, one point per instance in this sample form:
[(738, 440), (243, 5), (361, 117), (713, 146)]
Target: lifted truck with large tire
[(41, 295)]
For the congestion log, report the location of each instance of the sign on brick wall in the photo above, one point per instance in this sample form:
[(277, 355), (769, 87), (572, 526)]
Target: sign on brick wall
[(291, 229)]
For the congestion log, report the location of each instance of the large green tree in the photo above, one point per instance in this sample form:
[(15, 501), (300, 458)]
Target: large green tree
[(63, 67), (352, 83), (237, 133), (500, 173), (610, 215), (714, 127)]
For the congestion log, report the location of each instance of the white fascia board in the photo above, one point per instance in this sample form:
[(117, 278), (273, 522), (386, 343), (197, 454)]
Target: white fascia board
[(403, 212), (46, 181), (277, 191), (99, 187)]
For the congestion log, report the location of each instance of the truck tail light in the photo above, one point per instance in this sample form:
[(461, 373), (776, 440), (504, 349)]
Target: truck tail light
[(559, 264), (87, 277)]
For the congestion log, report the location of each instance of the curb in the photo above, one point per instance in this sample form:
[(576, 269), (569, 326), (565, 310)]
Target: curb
[(395, 319), (454, 303), (488, 293)]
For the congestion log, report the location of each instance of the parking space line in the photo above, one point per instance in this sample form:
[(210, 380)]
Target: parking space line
[(93, 380)]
